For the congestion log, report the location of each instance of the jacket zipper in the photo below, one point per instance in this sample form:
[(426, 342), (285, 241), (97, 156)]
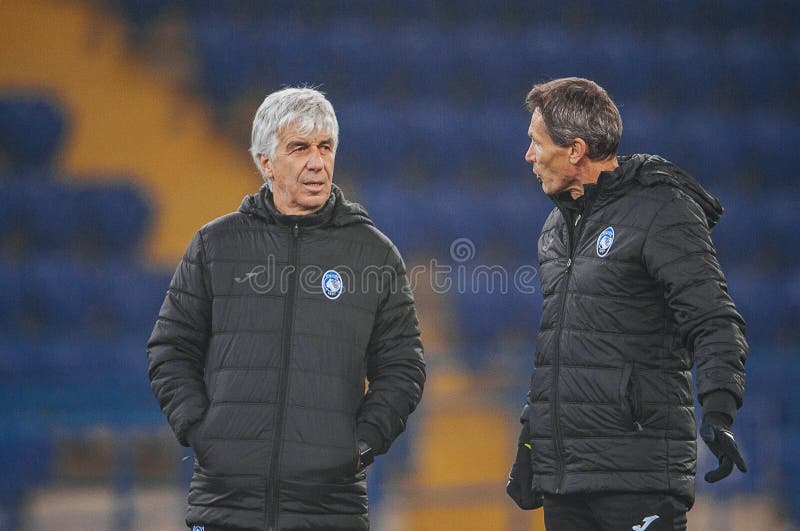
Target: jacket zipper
[(286, 345), (573, 237)]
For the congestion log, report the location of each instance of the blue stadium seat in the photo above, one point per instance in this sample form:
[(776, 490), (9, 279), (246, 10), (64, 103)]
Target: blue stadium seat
[(111, 219), (114, 217), (57, 294), (403, 216), (768, 303), (224, 57), (133, 297), (50, 381), (711, 146), (141, 12), (767, 232), (26, 453), (760, 72), (57, 226), (32, 127), (790, 489), (769, 132), (484, 64), (486, 332), (373, 142), (348, 62), (645, 130), (690, 68), (11, 303)]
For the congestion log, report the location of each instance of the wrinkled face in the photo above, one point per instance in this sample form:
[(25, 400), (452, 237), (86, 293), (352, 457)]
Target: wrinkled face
[(301, 171), (551, 162)]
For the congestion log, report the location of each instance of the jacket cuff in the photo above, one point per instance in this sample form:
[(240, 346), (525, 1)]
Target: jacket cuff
[(370, 435), (720, 401)]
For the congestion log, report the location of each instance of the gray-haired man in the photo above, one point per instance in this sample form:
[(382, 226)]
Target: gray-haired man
[(271, 325)]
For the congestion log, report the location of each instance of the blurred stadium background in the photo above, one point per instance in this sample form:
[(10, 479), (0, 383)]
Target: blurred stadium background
[(124, 127)]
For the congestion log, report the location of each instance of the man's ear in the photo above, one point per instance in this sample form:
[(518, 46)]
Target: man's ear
[(266, 166), (577, 150)]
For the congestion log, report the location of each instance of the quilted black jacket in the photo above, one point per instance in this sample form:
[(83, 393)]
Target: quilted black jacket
[(259, 357), (633, 297)]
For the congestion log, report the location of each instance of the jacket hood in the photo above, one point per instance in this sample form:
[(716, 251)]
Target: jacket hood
[(337, 211), (651, 170)]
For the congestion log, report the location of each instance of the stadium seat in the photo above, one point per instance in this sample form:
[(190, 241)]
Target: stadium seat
[(769, 132), (762, 72), (768, 304), (55, 293), (224, 58), (25, 456), (106, 219), (490, 322), (142, 12), (114, 218), (32, 127)]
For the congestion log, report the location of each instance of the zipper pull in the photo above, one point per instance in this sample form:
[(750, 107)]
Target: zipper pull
[(569, 263), (295, 230)]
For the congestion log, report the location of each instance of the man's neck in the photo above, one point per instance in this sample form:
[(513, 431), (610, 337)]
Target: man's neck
[(589, 172)]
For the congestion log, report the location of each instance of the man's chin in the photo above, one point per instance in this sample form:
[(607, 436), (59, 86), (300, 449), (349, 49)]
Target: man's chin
[(314, 203)]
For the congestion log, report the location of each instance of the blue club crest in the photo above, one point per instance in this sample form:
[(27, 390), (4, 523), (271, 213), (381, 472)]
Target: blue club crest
[(332, 285), (605, 241)]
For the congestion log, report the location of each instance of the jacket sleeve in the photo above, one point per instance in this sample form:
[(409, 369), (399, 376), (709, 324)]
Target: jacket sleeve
[(176, 350), (395, 365), (679, 254)]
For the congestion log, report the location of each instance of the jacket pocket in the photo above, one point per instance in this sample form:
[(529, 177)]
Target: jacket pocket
[(629, 398), (196, 439)]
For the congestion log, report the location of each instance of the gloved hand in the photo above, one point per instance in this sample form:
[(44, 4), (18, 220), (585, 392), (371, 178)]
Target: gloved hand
[(366, 456), (519, 479), (716, 432)]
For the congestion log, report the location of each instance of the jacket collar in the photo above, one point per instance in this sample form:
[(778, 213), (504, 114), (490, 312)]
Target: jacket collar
[(318, 218), (645, 170), (336, 211)]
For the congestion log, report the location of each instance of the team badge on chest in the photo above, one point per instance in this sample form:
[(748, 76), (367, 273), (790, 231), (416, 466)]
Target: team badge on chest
[(332, 285), (605, 241)]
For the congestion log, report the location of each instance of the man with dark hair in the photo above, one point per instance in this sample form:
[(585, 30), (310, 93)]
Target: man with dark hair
[(270, 327), (634, 297)]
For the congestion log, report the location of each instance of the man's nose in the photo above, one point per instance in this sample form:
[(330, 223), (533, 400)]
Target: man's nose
[(530, 156), (314, 161)]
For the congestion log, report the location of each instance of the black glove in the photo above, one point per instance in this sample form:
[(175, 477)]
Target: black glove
[(519, 479), (366, 456), (716, 432)]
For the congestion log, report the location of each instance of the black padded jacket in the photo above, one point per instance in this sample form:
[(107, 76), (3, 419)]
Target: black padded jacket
[(270, 328), (633, 297)]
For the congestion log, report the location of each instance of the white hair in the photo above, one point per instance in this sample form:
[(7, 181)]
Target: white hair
[(306, 107)]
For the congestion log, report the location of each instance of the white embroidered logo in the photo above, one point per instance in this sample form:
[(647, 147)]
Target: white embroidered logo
[(645, 523)]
